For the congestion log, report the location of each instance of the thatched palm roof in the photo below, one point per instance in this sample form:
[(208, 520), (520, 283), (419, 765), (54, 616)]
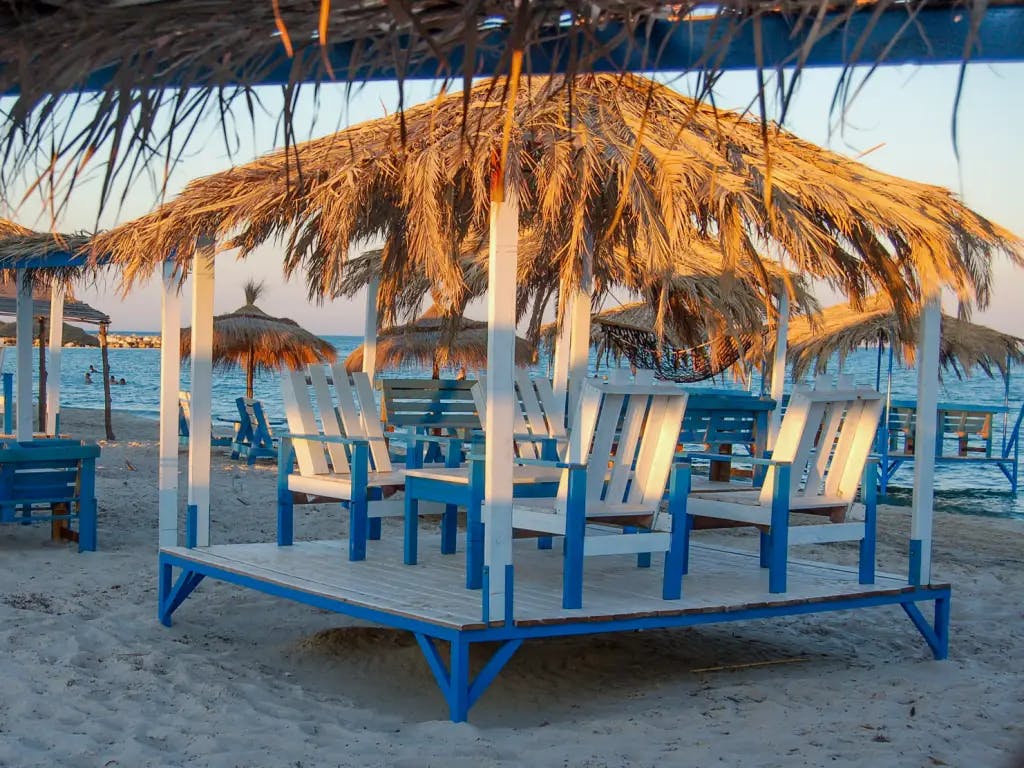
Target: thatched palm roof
[(74, 310), (162, 68), (841, 328), (436, 341), (19, 244), (251, 339), (625, 163)]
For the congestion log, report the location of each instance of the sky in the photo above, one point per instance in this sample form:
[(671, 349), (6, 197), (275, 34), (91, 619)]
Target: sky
[(902, 119)]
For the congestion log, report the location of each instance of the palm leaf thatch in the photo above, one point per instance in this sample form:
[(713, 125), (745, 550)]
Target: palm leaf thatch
[(19, 244), (142, 77), (252, 340), (437, 341), (841, 328), (620, 171)]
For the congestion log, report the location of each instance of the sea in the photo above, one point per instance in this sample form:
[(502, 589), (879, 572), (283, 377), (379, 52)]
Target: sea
[(964, 490)]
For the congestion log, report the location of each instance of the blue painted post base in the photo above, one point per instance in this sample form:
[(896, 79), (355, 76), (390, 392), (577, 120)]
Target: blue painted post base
[(171, 594), (459, 690)]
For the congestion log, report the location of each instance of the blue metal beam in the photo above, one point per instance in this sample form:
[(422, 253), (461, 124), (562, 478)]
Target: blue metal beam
[(931, 36)]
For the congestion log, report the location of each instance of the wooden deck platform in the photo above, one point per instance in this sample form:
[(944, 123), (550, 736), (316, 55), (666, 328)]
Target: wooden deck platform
[(430, 600), (433, 591)]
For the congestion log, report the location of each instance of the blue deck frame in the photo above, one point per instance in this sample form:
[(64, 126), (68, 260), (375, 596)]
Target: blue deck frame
[(462, 690)]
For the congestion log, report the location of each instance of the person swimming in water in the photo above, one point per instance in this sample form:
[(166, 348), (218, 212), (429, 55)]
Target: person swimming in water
[(122, 382), (88, 377)]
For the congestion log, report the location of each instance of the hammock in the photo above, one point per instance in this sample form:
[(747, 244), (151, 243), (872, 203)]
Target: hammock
[(686, 366)]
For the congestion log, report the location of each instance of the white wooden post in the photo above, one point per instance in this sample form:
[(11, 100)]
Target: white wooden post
[(498, 455), (563, 336), (202, 393), (23, 371), (779, 368), (170, 384), (929, 331), (579, 345), (370, 330), (53, 357)]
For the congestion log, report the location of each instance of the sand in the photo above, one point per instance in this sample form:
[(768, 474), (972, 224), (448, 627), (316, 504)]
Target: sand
[(89, 677)]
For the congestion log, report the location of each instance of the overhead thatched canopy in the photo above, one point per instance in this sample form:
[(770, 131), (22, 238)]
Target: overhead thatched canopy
[(155, 71), (436, 341), (74, 310), (254, 341), (841, 328), (626, 164), (72, 335)]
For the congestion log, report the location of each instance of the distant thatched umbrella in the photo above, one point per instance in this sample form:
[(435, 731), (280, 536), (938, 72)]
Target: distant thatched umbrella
[(436, 341), (840, 329), (618, 167), (253, 340)]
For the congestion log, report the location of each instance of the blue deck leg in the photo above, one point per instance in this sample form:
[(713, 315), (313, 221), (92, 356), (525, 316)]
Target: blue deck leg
[(868, 543), (936, 636), (575, 530), (779, 534), (449, 529), (678, 551), (171, 597), (358, 517), (458, 683), (412, 517)]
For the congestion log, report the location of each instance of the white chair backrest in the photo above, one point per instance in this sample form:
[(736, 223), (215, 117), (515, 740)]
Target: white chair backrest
[(827, 435), (354, 415), (185, 405), (537, 412), (627, 433)]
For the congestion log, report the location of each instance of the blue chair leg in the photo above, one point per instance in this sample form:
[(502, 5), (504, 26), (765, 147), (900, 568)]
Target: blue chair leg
[(575, 530), (765, 548), (778, 534), (412, 517), (676, 559), (374, 527), (643, 559), (868, 543), (87, 526), (449, 529), (545, 542)]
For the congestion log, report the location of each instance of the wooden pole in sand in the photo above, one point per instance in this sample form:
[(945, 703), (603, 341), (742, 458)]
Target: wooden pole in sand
[(56, 348), (105, 359), (23, 371), (42, 374)]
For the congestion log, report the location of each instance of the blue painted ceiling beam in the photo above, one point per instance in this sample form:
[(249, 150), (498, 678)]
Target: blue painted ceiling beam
[(932, 36)]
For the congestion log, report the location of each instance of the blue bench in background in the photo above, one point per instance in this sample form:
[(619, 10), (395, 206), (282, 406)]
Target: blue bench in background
[(54, 481)]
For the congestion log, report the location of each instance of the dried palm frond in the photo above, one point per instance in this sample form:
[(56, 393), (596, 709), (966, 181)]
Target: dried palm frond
[(840, 329), (143, 77), (627, 168)]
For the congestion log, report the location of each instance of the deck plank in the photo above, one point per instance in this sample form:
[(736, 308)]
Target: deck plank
[(720, 580)]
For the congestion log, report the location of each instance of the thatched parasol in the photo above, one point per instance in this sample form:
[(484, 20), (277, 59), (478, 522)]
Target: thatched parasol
[(19, 244), (437, 341), (841, 328), (622, 169), (252, 340)]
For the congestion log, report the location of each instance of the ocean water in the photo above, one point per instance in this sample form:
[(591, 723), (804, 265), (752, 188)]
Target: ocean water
[(958, 489)]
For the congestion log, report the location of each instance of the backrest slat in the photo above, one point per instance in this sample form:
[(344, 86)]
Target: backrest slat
[(328, 417), (632, 424), (373, 429), (601, 456), (301, 420)]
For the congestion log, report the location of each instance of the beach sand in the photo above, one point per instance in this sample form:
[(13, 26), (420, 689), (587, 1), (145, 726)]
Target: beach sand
[(89, 677)]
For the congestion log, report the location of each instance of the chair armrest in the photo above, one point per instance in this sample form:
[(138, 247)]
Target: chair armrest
[(326, 439), (548, 463), (768, 462)]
